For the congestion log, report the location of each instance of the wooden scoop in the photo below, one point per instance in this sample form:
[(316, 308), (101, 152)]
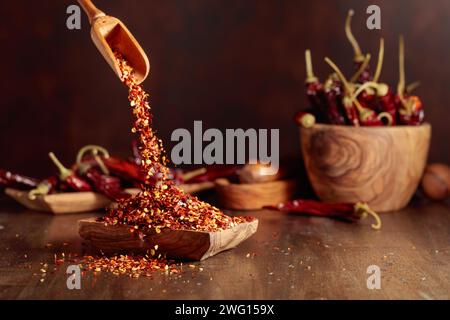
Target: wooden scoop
[(108, 34)]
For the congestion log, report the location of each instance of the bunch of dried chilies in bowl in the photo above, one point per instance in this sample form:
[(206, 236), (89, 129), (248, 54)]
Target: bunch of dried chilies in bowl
[(361, 100)]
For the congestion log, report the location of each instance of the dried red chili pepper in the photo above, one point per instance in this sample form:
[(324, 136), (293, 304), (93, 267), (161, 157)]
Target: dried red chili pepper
[(315, 91), (358, 75), (378, 96), (70, 178), (356, 113), (350, 110), (350, 212), (333, 96), (9, 179), (367, 97), (410, 108), (363, 71), (107, 185), (386, 99), (98, 174), (124, 169), (46, 186)]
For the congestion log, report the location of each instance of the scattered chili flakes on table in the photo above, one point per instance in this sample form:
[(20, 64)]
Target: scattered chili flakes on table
[(133, 266)]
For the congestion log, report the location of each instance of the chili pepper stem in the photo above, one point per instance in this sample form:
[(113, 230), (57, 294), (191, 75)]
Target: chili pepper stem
[(63, 171), (310, 78), (94, 149), (364, 210), (401, 81), (308, 120), (381, 89), (41, 189), (348, 90), (361, 68), (376, 77), (194, 173), (100, 162), (359, 57), (386, 115), (340, 75), (413, 86), (81, 153)]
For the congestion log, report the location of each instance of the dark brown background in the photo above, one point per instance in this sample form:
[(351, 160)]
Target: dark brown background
[(230, 63)]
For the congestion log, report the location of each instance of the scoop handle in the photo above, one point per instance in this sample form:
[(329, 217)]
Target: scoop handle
[(91, 10)]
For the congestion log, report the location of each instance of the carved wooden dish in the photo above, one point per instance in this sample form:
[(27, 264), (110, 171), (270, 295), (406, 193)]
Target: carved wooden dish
[(176, 244), (378, 165), (256, 195), (76, 202)]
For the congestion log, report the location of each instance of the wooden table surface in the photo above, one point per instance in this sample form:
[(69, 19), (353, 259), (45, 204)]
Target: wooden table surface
[(290, 257)]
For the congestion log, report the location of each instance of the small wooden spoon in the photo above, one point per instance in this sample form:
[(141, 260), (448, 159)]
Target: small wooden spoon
[(108, 34)]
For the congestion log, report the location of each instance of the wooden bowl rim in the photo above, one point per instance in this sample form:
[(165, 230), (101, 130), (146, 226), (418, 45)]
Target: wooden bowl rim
[(374, 128), (225, 183)]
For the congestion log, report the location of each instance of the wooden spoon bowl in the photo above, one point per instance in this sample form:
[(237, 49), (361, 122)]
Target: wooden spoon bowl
[(177, 244), (378, 165), (108, 34)]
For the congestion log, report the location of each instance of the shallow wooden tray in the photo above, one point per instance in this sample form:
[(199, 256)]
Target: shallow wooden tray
[(77, 202), (176, 244), (256, 195)]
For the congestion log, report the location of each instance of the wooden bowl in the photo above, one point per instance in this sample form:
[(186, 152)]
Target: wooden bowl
[(254, 196), (378, 165)]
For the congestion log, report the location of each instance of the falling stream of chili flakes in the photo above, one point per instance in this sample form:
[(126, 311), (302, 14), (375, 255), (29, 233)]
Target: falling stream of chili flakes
[(160, 204)]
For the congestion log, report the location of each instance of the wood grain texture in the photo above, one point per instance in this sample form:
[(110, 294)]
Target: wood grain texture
[(177, 244), (254, 196), (291, 257), (379, 165)]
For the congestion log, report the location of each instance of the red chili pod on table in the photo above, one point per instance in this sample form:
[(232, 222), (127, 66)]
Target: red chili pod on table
[(350, 212)]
